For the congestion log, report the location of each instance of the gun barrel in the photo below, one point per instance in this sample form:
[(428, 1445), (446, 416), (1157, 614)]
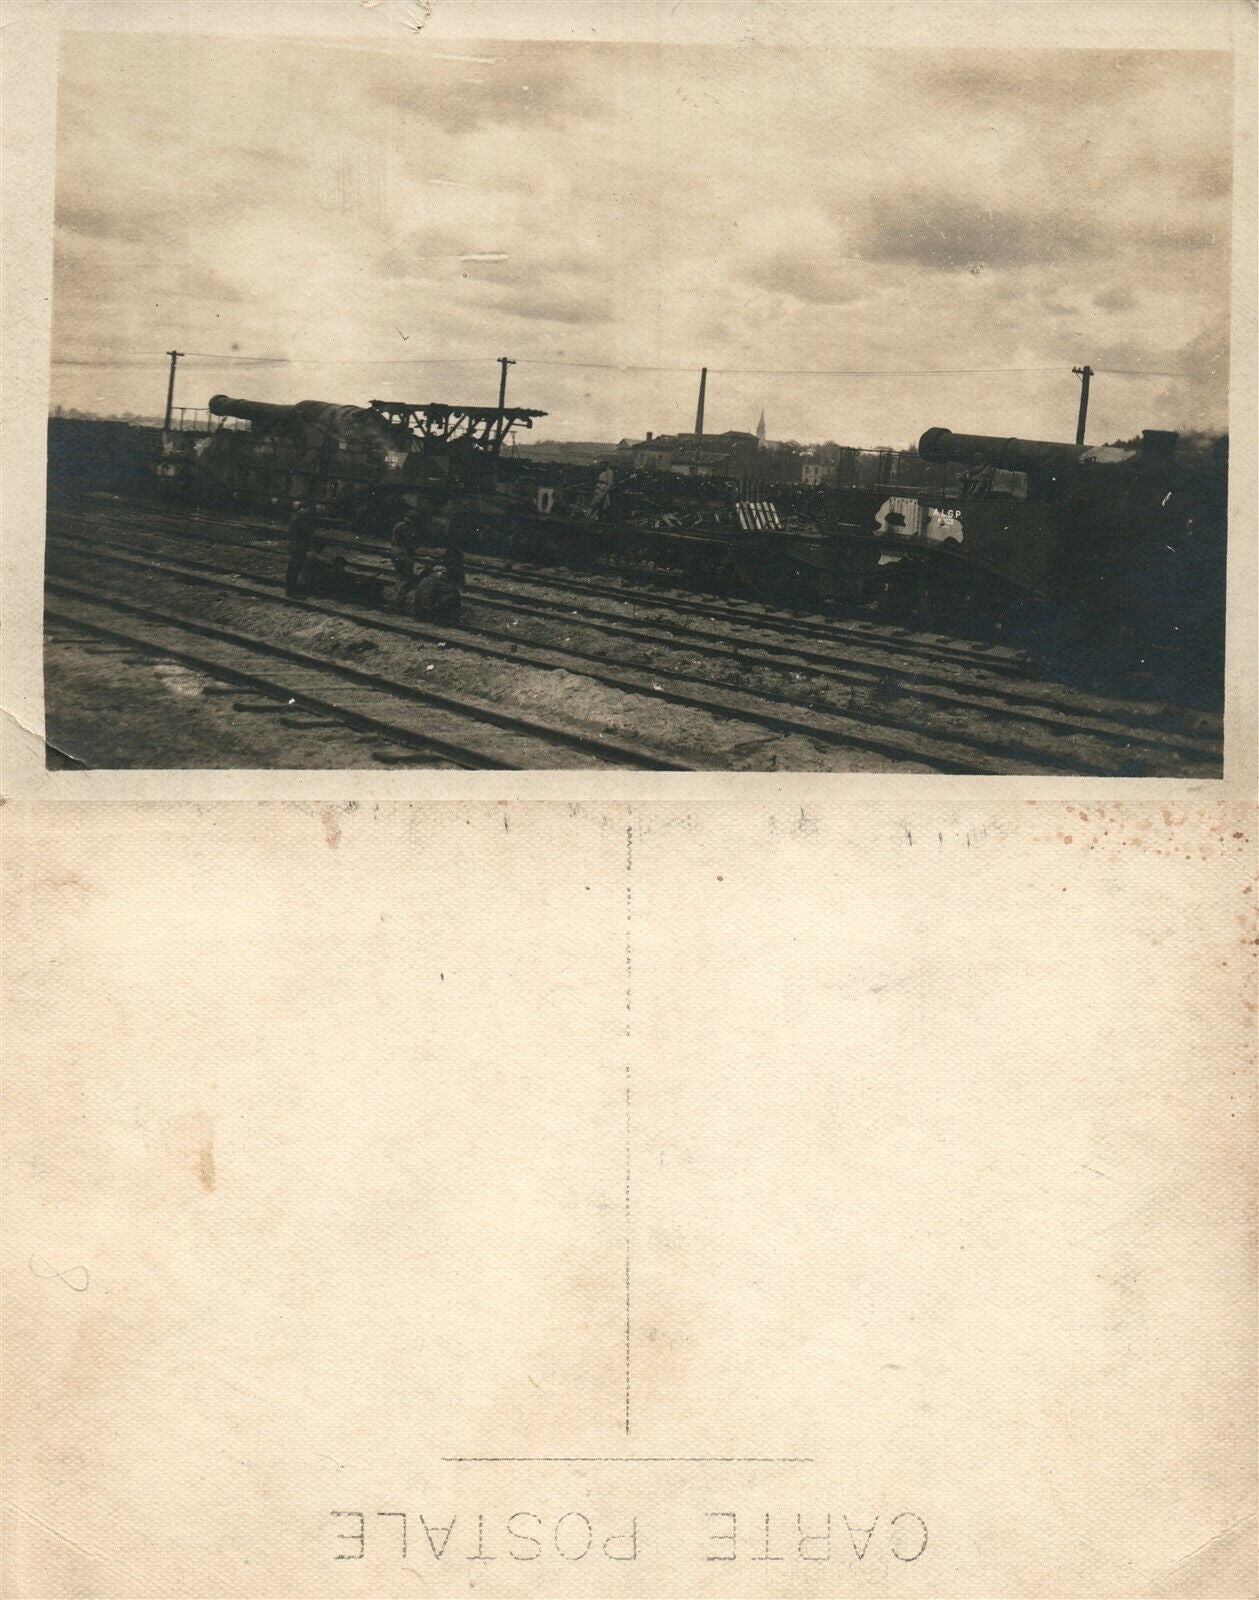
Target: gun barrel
[(306, 413), (1012, 455), (222, 405)]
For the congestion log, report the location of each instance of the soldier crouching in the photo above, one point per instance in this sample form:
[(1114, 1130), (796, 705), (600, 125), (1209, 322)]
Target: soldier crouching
[(430, 598)]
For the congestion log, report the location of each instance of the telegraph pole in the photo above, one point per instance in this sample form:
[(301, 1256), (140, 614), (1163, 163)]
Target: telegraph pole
[(501, 426), (504, 362), (500, 429), (170, 387), (1083, 374)]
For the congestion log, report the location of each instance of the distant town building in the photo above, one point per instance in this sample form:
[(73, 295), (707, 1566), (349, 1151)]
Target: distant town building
[(751, 459), (731, 454)]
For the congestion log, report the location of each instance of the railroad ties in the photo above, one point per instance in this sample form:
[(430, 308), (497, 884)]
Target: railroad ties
[(652, 679)]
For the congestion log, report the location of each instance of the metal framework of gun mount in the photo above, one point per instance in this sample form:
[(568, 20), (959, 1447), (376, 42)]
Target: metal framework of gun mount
[(481, 427)]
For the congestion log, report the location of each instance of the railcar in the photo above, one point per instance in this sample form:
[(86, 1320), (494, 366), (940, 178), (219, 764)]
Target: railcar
[(1065, 547)]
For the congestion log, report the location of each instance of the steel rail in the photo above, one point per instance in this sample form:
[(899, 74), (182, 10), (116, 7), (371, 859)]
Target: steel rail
[(1131, 739), (996, 658), (530, 737), (848, 729), (1011, 675), (1050, 697)]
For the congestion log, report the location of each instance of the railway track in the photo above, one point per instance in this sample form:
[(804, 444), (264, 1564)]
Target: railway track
[(932, 666), (947, 680), (924, 752), (255, 694), (1015, 739), (471, 734), (677, 603), (877, 649)]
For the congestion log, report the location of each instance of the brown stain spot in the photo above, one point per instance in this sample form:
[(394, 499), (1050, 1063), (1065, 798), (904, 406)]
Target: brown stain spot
[(1103, 828), (331, 827), (205, 1166)]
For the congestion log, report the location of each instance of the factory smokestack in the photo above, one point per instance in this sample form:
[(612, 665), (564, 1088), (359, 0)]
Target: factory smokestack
[(699, 409)]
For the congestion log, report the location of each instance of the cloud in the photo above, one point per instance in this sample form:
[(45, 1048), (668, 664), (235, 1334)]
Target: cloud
[(934, 209), (426, 252), (206, 284), (525, 91), (946, 233), (1207, 177), (559, 285), (1066, 80), (802, 278), (561, 308), (1176, 236), (93, 222)]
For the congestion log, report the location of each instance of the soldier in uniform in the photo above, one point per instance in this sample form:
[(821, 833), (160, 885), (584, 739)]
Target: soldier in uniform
[(452, 562), (433, 597), (301, 533), (408, 535)]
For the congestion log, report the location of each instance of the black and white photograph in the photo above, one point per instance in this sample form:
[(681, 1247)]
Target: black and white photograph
[(531, 405)]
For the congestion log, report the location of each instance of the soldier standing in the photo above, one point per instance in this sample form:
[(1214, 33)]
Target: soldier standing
[(301, 532), (452, 562)]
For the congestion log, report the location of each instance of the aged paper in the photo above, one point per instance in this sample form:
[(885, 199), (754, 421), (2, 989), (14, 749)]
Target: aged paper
[(606, 1183)]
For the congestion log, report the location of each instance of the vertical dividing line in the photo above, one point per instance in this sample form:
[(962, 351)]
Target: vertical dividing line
[(629, 1000)]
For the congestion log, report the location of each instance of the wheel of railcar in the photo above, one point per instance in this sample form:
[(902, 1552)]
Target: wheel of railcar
[(805, 593), (897, 593), (725, 575)]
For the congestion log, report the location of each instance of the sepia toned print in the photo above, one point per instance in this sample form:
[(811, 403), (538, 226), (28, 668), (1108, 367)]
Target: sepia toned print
[(557, 404), (451, 1151)]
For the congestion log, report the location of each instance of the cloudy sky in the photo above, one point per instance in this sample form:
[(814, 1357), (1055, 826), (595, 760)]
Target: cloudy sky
[(842, 237)]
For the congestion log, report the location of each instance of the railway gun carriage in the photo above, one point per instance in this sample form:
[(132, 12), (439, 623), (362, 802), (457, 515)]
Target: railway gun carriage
[(359, 465), (1119, 548), (1116, 550)]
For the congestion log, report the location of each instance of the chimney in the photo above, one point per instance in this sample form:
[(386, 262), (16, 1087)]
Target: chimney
[(649, 438), (699, 409)]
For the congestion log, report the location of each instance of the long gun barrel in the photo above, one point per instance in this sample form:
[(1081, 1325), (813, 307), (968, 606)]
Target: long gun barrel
[(990, 450), (1036, 457), (271, 416), (306, 413)]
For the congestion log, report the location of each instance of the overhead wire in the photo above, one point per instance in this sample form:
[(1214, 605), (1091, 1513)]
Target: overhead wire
[(142, 358)]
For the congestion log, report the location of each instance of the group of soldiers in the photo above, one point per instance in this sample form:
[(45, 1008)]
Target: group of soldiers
[(423, 587)]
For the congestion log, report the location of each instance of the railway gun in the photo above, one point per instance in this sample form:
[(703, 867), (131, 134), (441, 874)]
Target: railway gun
[(1114, 550)]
